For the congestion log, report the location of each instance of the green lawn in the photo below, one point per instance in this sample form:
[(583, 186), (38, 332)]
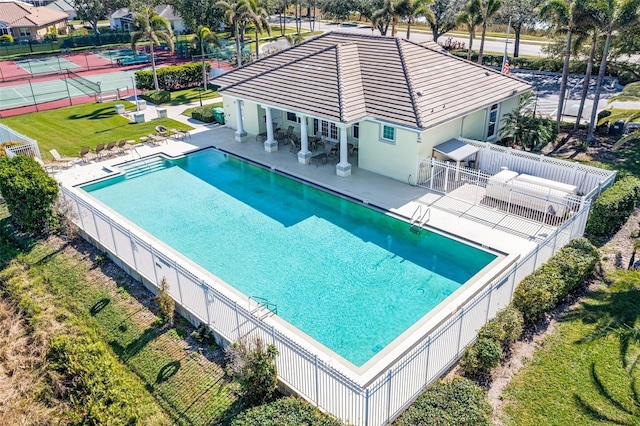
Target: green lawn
[(69, 129), (187, 96), (586, 372)]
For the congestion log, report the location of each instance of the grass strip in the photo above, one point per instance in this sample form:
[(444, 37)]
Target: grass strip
[(190, 387)]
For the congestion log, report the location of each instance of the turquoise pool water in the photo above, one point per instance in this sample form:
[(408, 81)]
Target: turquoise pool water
[(350, 277)]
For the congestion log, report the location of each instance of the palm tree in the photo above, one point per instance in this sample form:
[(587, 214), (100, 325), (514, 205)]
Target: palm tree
[(202, 36), (522, 127), (617, 15), (390, 12), (630, 93), (235, 14), (151, 26), (412, 9), (260, 19), (294, 39), (589, 28), (470, 17), (487, 9), (561, 14)]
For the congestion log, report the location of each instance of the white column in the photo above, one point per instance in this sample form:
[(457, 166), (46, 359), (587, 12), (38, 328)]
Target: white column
[(241, 135), (343, 168), (270, 144), (304, 154)]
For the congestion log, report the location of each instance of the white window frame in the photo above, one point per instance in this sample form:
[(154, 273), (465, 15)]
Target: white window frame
[(386, 140), (493, 108)]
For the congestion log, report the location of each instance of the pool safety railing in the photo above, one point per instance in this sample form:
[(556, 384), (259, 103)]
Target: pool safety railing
[(375, 398), (419, 219), (18, 143), (263, 307)]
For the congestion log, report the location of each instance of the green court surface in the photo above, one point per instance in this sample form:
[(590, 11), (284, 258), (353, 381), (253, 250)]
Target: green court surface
[(46, 91), (46, 65)]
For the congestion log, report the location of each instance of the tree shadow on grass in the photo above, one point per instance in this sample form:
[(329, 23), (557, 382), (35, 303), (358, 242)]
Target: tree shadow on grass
[(97, 114), (614, 314), (127, 352), (99, 306), (168, 371)]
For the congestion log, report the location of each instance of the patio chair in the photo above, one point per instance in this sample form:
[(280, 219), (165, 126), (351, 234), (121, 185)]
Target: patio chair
[(47, 167), (330, 149), (100, 150), (162, 131), (86, 155), (295, 147), (64, 161)]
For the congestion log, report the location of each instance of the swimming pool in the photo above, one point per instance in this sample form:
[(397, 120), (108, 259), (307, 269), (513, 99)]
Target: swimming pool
[(347, 275)]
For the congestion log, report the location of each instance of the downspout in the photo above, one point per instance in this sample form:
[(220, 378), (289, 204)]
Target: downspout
[(461, 126)]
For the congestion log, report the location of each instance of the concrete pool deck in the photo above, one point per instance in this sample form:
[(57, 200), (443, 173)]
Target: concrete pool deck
[(484, 226)]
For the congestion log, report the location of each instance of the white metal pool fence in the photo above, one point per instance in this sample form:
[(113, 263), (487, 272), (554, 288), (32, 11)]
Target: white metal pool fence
[(375, 402), (27, 146)]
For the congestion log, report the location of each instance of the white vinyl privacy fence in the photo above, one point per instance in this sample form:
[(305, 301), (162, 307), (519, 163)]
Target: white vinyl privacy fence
[(374, 402), (16, 143)]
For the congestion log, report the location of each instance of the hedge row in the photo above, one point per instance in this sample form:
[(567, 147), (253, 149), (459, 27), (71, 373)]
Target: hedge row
[(613, 207), (157, 97), (458, 402), (203, 113), (541, 291), (96, 40), (99, 387), (494, 340), (173, 77), (285, 412)]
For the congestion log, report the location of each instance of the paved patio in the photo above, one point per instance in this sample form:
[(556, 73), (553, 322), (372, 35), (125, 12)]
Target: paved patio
[(485, 226)]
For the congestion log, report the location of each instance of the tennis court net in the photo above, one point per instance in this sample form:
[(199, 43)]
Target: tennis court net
[(86, 86)]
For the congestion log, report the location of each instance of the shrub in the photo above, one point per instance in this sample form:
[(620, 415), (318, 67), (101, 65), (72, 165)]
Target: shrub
[(172, 77), (285, 412), (482, 356), (166, 304), (252, 365), (458, 402), (29, 192), (494, 339), (541, 291), (99, 387), (203, 113), (157, 97), (613, 207)]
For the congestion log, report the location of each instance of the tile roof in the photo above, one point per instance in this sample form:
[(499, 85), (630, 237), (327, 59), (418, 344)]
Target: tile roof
[(18, 14), (345, 77)]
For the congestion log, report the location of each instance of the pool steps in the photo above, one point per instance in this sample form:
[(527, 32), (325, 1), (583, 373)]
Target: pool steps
[(143, 167)]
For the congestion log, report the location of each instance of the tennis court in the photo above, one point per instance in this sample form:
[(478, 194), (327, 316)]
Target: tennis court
[(46, 65), (70, 86)]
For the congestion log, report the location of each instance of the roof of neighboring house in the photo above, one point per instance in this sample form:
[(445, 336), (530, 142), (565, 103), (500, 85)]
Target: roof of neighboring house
[(345, 77), (164, 10), (18, 14)]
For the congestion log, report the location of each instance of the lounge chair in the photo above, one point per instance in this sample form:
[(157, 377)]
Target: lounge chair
[(112, 149), (100, 150), (156, 140), (179, 134), (64, 161), (47, 167), (124, 145), (86, 155)]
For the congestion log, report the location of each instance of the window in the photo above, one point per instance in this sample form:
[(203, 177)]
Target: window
[(492, 126), (355, 131), (291, 116), (388, 134), (24, 32)]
